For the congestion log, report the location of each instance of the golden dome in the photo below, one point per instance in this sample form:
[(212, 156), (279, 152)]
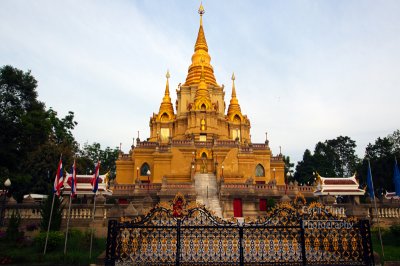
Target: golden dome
[(200, 53)]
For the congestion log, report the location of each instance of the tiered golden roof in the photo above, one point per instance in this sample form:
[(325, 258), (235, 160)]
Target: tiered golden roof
[(166, 105), (200, 53)]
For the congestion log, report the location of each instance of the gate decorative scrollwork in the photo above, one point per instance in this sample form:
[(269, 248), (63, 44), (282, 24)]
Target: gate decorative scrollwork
[(288, 235)]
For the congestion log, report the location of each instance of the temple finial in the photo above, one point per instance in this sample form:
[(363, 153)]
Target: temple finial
[(233, 86), (201, 12), (166, 94)]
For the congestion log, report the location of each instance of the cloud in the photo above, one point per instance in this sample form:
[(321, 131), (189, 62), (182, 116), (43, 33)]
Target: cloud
[(305, 71)]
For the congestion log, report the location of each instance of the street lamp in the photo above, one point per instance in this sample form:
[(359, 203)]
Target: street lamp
[(148, 180), (273, 170), (288, 175), (7, 185), (222, 172), (137, 174)]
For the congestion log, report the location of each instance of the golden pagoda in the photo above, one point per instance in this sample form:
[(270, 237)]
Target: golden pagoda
[(201, 139)]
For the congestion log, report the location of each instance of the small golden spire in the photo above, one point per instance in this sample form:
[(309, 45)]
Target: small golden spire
[(166, 95), (234, 107), (166, 105)]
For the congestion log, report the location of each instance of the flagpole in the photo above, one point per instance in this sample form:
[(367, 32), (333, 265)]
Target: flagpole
[(376, 211), (91, 233), (69, 217), (48, 226)]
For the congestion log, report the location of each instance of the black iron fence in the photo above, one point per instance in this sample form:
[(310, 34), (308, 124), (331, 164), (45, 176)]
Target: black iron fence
[(289, 235)]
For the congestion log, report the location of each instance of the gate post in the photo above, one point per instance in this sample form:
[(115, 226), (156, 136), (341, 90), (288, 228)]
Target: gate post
[(111, 243), (303, 242), (178, 241), (366, 242), (241, 256)]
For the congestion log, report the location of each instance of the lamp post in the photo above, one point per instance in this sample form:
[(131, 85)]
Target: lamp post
[(288, 175), (274, 170), (7, 185), (148, 180), (192, 171), (222, 171), (137, 174)]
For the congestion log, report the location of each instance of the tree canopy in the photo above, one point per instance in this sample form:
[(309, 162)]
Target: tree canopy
[(33, 138)]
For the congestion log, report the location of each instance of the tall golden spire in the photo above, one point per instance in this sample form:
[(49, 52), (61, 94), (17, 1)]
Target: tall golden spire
[(166, 105), (200, 51), (234, 107)]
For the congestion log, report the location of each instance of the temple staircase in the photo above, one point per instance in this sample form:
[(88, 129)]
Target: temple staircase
[(207, 192)]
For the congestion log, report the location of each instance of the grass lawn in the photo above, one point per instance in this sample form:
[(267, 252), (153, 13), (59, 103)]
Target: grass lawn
[(25, 250), (391, 244)]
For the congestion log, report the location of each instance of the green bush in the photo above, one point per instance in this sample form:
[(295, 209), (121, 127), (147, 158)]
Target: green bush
[(395, 230), (56, 240), (12, 232)]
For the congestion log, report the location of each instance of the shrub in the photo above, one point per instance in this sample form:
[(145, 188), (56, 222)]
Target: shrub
[(12, 232), (395, 230), (45, 211), (31, 227), (56, 239)]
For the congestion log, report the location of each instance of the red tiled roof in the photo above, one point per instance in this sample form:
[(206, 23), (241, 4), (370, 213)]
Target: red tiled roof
[(342, 190), (339, 182)]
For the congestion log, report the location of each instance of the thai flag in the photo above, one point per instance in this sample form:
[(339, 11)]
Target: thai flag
[(96, 177), (58, 181), (74, 182)]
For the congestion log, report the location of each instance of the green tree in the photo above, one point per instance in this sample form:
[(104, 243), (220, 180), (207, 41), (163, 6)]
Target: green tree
[(288, 167), (23, 124), (381, 155), (93, 153), (32, 138), (45, 210), (305, 168), (335, 157)]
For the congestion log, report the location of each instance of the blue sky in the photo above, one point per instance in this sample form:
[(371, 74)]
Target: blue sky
[(306, 71)]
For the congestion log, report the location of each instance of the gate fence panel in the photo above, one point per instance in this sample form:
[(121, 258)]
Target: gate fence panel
[(194, 236)]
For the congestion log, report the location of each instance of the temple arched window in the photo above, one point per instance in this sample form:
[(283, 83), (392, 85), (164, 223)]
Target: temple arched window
[(143, 170), (164, 117), (203, 107), (204, 155), (260, 170), (236, 119)]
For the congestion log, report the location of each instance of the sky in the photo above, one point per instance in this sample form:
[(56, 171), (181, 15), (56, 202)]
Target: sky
[(306, 71)]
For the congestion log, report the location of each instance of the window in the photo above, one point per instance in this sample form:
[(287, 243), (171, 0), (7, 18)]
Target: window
[(143, 170), (260, 170), (236, 119), (204, 155), (164, 117)]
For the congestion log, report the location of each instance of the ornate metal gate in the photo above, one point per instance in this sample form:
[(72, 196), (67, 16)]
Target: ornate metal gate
[(291, 234)]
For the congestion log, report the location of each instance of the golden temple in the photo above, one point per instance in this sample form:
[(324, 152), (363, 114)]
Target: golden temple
[(200, 136)]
